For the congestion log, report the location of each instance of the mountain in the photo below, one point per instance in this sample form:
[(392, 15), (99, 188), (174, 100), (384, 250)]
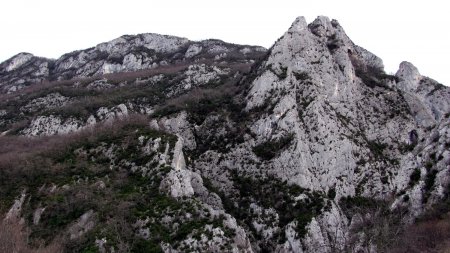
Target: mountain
[(125, 54), (154, 143)]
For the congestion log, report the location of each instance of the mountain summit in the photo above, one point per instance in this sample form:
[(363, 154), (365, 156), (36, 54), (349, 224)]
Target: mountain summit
[(155, 143)]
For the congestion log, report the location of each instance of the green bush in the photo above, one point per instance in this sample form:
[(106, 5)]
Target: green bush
[(141, 245), (270, 149), (430, 179), (428, 165), (374, 77), (271, 192), (331, 193), (377, 148), (283, 73), (301, 76), (414, 177)]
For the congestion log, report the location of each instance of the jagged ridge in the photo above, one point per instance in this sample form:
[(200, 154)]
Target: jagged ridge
[(124, 54)]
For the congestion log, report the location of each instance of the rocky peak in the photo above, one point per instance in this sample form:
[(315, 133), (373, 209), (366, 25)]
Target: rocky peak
[(17, 61), (338, 111), (320, 52), (323, 27), (317, 82), (298, 25), (22, 70), (159, 43), (410, 76), (427, 99), (128, 53)]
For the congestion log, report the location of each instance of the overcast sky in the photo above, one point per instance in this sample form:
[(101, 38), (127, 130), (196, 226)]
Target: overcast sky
[(395, 30)]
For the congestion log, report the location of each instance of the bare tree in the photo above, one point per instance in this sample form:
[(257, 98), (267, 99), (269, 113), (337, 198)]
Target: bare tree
[(14, 239)]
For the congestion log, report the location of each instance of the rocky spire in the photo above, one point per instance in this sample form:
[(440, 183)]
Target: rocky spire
[(320, 51), (409, 75), (298, 25), (427, 98)]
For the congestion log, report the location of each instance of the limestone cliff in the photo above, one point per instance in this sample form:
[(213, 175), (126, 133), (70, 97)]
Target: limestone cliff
[(306, 147)]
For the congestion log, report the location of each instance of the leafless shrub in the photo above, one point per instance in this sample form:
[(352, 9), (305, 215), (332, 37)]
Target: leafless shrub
[(20, 156), (39, 88), (374, 224), (426, 236), (14, 238), (194, 96)]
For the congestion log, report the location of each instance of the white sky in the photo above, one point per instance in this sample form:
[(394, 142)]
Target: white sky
[(395, 30)]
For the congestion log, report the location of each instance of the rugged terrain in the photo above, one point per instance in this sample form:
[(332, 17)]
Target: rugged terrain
[(154, 143)]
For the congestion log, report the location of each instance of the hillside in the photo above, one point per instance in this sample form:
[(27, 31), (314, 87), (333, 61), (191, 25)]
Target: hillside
[(154, 143)]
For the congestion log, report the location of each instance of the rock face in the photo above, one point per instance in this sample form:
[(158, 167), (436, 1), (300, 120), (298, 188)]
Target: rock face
[(432, 96), (22, 70), (52, 100), (295, 149), (52, 125), (330, 120), (311, 81)]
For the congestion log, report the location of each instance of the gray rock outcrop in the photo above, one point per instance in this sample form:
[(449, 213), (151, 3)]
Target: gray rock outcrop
[(294, 149)]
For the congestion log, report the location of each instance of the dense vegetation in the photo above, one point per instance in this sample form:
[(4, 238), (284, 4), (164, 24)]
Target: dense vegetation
[(76, 176)]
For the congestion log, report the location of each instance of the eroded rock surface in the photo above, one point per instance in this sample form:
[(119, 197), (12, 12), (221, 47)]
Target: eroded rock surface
[(295, 149)]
